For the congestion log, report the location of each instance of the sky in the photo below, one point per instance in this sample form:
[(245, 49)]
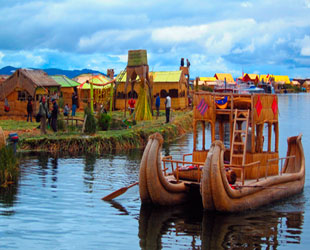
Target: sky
[(217, 36)]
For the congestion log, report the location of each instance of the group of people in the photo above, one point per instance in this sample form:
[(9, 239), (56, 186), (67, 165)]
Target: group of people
[(132, 102), (187, 63), (44, 115)]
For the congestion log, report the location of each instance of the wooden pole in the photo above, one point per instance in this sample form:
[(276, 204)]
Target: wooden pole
[(111, 98), (91, 97), (269, 136)]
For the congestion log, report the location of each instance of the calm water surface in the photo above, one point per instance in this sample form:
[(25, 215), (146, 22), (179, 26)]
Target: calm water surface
[(57, 204)]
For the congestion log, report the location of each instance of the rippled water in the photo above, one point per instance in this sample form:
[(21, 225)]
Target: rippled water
[(57, 204)]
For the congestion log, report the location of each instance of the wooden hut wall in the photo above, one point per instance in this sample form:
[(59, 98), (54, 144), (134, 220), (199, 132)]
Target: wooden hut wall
[(177, 91), (120, 94), (17, 107), (83, 98), (67, 95), (179, 102)]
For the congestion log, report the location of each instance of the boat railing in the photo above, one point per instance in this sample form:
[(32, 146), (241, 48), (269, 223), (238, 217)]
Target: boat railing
[(176, 164), (281, 165), (243, 167)]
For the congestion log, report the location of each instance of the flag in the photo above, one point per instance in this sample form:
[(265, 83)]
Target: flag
[(202, 106)]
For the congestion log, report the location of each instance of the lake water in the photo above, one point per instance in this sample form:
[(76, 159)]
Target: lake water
[(57, 204)]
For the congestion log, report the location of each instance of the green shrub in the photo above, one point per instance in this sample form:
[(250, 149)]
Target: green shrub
[(116, 124), (104, 121), (90, 125), (8, 166)]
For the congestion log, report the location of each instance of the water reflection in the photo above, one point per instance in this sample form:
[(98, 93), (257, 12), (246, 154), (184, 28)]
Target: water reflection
[(89, 166), (264, 228), (7, 198), (155, 223)]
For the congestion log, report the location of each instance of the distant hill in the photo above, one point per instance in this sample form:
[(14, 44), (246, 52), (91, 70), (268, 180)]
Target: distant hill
[(8, 70)]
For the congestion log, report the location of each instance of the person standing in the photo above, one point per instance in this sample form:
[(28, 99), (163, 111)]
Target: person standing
[(74, 103), (43, 111), (29, 109), (188, 63), (54, 115), (182, 62), (157, 104), (131, 103), (168, 106)]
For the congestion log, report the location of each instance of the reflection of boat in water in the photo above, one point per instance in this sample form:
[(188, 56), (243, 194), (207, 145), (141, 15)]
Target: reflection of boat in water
[(247, 174), (188, 227), (264, 229), (154, 222)]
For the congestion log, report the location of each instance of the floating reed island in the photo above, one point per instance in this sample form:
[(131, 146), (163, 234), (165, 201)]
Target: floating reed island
[(105, 141)]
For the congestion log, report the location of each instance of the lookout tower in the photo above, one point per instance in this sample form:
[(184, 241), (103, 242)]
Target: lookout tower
[(137, 66)]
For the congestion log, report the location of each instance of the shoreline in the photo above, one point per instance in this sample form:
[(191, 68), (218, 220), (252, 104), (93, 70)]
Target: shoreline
[(107, 141)]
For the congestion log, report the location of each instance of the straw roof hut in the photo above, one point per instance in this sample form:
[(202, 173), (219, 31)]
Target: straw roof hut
[(223, 76), (281, 79), (3, 78), (295, 83), (254, 78), (22, 84), (67, 87), (306, 85), (172, 82), (100, 92)]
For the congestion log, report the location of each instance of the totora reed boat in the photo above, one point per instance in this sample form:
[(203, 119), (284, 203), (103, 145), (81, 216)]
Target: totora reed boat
[(237, 168)]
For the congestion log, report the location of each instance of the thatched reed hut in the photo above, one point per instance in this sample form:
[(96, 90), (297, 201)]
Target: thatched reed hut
[(20, 85), (67, 87), (173, 83), (224, 76), (100, 88)]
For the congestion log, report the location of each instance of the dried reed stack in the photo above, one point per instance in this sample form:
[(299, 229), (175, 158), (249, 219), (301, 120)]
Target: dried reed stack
[(2, 138)]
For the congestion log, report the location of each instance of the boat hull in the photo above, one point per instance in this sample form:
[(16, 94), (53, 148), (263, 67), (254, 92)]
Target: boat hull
[(217, 194), (154, 187)]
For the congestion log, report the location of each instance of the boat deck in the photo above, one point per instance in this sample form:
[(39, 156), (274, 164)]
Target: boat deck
[(248, 182)]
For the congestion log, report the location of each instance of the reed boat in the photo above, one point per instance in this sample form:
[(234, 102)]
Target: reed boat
[(235, 163)]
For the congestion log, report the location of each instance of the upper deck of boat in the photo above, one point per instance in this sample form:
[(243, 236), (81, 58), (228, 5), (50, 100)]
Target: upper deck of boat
[(208, 106)]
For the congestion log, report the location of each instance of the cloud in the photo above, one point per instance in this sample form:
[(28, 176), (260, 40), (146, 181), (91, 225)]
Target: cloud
[(246, 4), (230, 34), (304, 45), (1, 56)]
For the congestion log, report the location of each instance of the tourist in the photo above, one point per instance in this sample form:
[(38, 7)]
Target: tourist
[(182, 62), (131, 104), (168, 106), (74, 103), (188, 63), (43, 112), (6, 105), (66, 110), (157, 104), (29, 109), (54, 115)]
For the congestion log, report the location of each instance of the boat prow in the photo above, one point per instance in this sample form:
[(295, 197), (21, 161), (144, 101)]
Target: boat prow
[(218, 195), (154, 187)]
